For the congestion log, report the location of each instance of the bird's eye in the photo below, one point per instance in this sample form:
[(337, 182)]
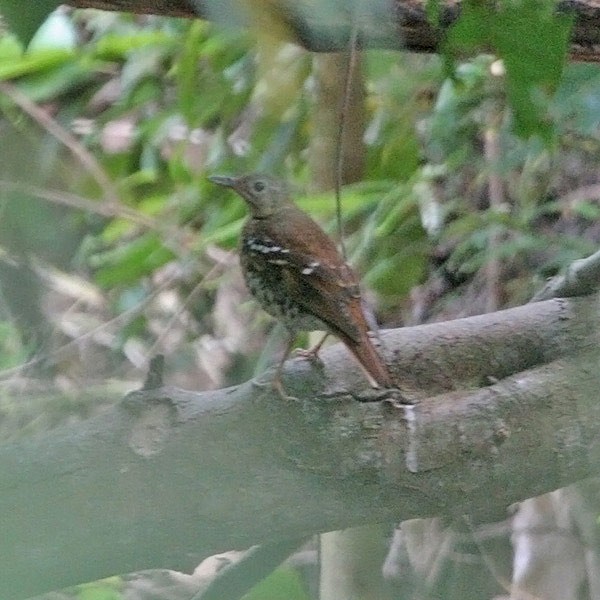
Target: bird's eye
[(258, 186)]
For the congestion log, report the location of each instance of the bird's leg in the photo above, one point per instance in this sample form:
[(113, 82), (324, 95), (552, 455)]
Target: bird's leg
[(312, 353), (277, 383)]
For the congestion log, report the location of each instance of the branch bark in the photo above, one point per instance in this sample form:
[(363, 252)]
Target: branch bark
[(168, 476), (397, 24), (580, 278)]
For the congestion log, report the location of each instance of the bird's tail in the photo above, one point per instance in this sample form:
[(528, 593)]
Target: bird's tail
[(370, 360)]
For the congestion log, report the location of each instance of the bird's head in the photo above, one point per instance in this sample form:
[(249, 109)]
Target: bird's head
[(265, 195)]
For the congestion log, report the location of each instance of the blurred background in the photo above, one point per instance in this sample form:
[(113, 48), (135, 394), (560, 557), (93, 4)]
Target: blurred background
[(115, 247), (459, 197)]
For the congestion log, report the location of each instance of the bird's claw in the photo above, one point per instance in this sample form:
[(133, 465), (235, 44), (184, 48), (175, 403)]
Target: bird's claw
[(312, 354), (277, 386), (279, 389)]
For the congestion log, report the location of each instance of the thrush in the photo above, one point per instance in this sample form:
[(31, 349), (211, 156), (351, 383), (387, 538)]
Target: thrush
[(294, 270)]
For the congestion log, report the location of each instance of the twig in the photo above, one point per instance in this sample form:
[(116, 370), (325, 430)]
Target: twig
[(339, 158), (191, 296), (85, 157), (122, 318), (81, 203), (496, 198)]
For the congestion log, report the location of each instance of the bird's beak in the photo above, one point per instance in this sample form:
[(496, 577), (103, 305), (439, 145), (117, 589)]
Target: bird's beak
[(223, 180)]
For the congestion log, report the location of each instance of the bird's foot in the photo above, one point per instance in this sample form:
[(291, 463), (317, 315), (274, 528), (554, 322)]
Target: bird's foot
[(276, 385), (261, 383), (312, 354)]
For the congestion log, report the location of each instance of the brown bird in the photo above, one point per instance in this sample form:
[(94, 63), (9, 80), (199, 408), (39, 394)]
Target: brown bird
[(296, 273)]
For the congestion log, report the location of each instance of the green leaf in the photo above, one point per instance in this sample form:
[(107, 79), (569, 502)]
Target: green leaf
[(433, 10), (532, 41), (282, 584), (24, 19), (533, 45), (34, 62), (52, 80), (105, 589), (472, 29), (118, 47), (588, 210), (129, 262), (187, 72), (577, 101)]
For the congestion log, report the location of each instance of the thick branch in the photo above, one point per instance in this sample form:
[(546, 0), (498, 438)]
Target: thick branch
[(168, 477), (581, 277), (394, 25)]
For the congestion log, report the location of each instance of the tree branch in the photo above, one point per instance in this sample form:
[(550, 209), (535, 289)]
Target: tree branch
[(168, 477), (580, 278), (400, 24)]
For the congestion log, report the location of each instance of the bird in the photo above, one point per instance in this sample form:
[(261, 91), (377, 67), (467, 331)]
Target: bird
[(296, 273)]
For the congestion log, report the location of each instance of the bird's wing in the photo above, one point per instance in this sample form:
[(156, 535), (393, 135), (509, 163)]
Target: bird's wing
[(313, 272)]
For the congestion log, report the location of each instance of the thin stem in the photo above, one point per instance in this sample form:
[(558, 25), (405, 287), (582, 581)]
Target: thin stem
[(339, 158)]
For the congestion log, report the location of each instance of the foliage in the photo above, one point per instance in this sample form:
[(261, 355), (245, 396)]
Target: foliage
[(158, 103), (532, 41), (114, 246), (25, 23), (107, 589), (283, 583), (149, 106)]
